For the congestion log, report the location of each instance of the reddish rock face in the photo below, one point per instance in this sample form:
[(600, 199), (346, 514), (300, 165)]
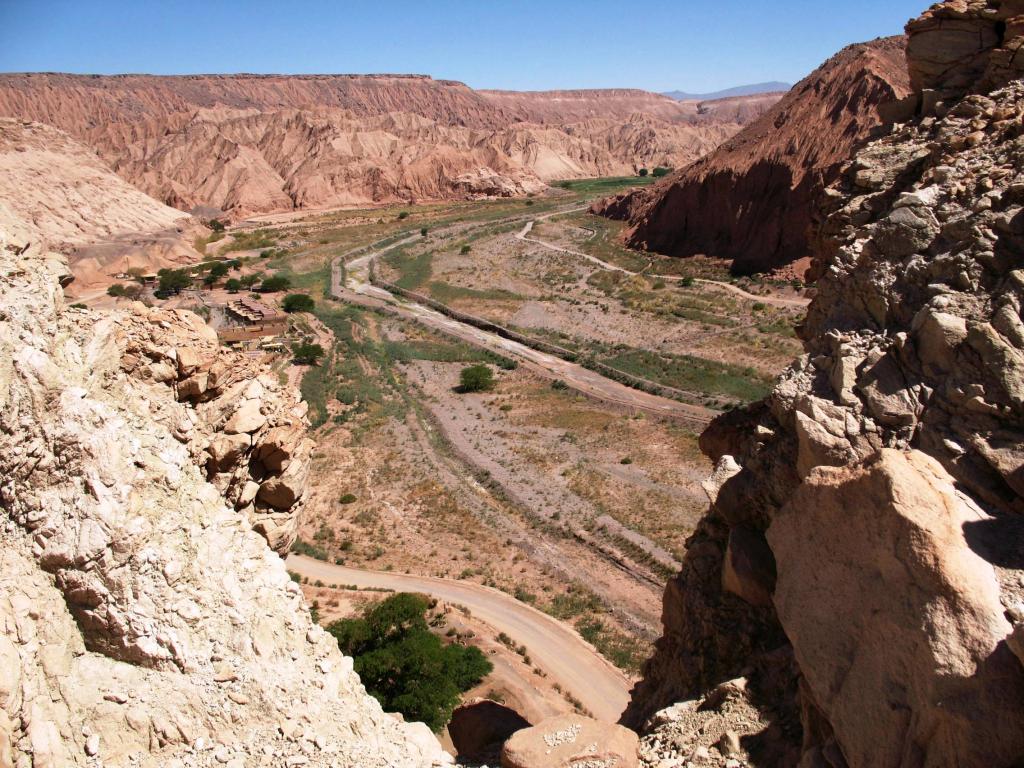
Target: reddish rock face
[(261, 143), (751, 200)]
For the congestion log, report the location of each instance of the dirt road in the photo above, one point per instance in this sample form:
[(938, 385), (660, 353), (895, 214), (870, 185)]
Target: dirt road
[(775, 301), (553, 646), (356, 283)]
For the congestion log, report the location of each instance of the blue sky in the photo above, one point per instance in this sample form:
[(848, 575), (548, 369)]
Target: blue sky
[(522, 44)]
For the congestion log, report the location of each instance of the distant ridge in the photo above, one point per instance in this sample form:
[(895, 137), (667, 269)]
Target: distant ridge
[(740, 90)]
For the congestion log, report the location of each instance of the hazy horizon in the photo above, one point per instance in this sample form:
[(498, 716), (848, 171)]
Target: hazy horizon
[(658, 46)]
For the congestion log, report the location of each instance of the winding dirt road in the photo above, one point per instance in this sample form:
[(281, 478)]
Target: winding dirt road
[(775, 301), (556, 648), (356, 285)]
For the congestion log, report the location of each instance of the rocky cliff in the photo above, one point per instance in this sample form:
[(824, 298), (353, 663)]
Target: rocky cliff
[(144, 620), (858, 578), (250, 143), (750, 200)]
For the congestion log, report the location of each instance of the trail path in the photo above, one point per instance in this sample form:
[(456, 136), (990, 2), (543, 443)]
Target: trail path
[(776, 301), (556, 648)]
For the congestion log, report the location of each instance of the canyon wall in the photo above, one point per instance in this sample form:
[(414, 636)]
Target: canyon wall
[(145, 619), (250, 143), (750, 199), (858, 577)]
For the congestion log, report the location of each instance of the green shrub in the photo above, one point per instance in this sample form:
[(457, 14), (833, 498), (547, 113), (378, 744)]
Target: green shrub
[(559, 385), (307, 354), (233, 285), (275, 284), (661, 171), (625, 460), (298, 302), (424, 231), (465, 249), (476, 378), (347, 498), (643, 173), (115, 290), (406, 667), (402, 215)]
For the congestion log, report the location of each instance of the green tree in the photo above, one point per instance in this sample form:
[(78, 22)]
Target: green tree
[(298, 302), (233, 285), (476, 378), (250, 280), (174, 281), (116, 290), (307, 354), (661, 171), (220, 269), (216, 225), (643, 173), (275, 284), (424, 231), (405, 666)]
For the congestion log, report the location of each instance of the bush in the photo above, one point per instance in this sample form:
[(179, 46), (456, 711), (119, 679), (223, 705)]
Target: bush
[(403, 665), (348, 498), (307, 354), (275, 284), (216, 225), (402, 215), (424, 231), (643, 173), (220, 269), (559, 385), (298, 302), (174, 281), (625, 460), (233, 285), (116, 290), (661, 171), (476, 378), (465, 249)]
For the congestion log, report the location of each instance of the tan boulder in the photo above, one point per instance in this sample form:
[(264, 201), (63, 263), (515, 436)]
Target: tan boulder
[(570, 741), (248, 418), (895, 621)]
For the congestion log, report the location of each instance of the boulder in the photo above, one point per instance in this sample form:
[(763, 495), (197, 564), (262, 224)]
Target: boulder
[(571, 741), (248, 418), (479, 729), (895, 621)]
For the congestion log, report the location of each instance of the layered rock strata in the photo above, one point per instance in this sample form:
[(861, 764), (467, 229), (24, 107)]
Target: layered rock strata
[(751, 199)]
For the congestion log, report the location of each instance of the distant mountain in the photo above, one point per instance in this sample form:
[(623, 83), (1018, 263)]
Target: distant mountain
[(741, 90)]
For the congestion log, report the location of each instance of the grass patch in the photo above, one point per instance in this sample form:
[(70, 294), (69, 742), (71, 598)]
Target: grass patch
[(446, 293), (693, 374)]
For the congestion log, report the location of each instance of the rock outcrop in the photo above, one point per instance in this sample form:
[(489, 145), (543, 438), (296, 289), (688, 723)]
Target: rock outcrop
[(571, 741), (751, 199), (876, 495), (248, 143), (143, 621)]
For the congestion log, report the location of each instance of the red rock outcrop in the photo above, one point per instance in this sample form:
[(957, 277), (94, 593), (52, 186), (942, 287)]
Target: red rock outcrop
[(875, 495), (751, 199), (251, 143)]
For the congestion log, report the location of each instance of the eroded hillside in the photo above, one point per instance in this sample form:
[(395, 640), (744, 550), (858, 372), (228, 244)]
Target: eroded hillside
[(250, 143), (751, 199)]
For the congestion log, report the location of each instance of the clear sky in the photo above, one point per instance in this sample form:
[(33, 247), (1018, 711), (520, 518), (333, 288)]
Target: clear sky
[(691, 45)]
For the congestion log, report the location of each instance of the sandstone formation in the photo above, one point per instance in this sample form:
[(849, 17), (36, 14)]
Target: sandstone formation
[(249, 143), (875, 495), (571, 741), (143, 621), (751, 199), (79, 206)]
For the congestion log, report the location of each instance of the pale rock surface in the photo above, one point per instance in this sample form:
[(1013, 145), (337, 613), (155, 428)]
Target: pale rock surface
[(142, 620), (883, 546), (571, 741)]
